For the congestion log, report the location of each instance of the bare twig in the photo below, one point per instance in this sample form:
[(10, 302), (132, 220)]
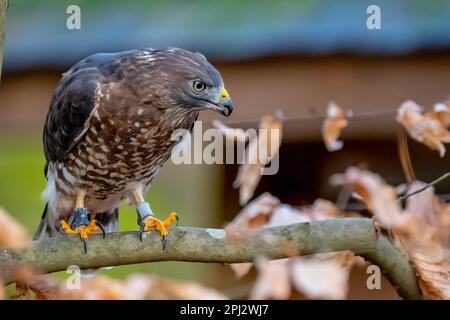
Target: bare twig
[(315, 118), (432, 183), (212, 245)]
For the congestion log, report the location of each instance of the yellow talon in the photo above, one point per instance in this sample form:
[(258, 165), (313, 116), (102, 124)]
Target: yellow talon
[(171, 218), (66, 227), (161, 226), (83, 231)]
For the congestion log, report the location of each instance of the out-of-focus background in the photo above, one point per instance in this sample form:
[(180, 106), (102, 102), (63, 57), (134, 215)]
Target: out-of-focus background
[(290, 55)]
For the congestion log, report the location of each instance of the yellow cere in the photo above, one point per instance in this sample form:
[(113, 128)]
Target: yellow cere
[(224, 93)]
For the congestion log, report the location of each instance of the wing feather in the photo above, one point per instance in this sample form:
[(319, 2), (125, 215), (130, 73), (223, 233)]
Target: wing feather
[(75, 98), (73, 104)]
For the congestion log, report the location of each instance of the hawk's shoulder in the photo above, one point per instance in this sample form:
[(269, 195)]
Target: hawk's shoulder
[(74, 100)]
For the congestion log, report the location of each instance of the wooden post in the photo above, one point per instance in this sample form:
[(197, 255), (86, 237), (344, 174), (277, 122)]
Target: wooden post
[(3, 7)]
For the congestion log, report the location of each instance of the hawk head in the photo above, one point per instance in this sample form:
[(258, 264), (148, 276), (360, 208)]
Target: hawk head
[(183, 79)]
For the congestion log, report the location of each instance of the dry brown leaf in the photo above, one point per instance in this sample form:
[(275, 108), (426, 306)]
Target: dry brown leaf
[(139, 286), (441, 111), (441, 225), (12, 234), (429, 128), (100, 287), (264, 211), (259, 152), (273, 280), (433, 272), (97, 288), (255, 214), (233, 134), (267, 211), (428, 216), (184, 290), (428, 248), (248, 179), (320, 279), (324, 276), (323, 209), (332, 126), (421, 204), (45, 287), (285, 214), (422, 229), (380, 198), (347, 259), (27, 280), (241, 269)]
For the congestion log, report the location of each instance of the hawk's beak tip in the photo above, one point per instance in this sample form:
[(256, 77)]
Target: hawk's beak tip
[(226, 103), (227, 106), (223, 106)]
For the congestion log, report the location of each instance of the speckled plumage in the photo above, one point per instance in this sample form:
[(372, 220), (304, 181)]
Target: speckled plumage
[(109, 126)]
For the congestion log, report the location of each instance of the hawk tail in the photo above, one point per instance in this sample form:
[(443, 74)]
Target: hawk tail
[(43, 230), (109, 220)]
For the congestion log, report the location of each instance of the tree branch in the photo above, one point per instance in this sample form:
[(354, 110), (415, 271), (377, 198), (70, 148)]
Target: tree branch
[(212, 245)]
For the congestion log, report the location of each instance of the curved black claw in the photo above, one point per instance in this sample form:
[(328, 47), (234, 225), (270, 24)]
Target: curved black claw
[(58, 227), (99, 224), (141, 231), (85, 244), (164, 242), (178, 220)]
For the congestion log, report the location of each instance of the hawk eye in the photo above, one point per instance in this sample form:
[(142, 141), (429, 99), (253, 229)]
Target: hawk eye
[(198, 86)]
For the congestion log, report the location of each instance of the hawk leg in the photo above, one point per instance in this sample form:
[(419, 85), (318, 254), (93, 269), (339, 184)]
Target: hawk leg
[(81, 224), (147, 220)]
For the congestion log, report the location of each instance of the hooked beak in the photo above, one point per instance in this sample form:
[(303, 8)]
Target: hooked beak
[(225, 104)]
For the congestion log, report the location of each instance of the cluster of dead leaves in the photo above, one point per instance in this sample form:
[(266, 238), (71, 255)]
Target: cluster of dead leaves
[(260, 150), (99, 287), (317, 276), (12, 236), (421, 229), (429, 128)]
